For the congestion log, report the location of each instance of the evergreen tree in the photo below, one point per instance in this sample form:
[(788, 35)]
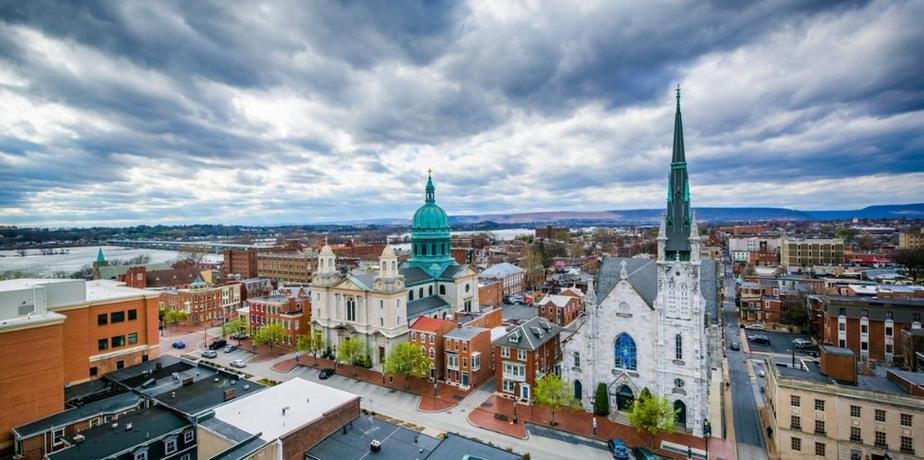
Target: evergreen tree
[(601, 401)]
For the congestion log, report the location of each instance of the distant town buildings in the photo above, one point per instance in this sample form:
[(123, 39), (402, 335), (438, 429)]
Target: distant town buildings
[(240, 262), (204, 303), (294, 267), (290, 308), (806, 252), (911, 240), (512, 278)]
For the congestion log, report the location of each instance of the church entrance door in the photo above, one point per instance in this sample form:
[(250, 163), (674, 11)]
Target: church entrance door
[(382, 355), (681, 410), (578, 390), (624, 398)]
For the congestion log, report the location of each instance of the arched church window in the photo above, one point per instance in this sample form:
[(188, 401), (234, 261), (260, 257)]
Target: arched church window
[(430, 290), (625, 353), (577, 359), (424, 247), (410, 295), (351, 309), (394, 266), (420, 293), (384, 266), (678, 347), (442, 289)]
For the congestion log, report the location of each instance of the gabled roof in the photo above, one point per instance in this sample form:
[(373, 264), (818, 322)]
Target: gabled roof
[(464, 333), (643, 276), (428, 324), (425, 305), (501, 269), (530, 335), (451, 271), (554, 299), (414, 275)]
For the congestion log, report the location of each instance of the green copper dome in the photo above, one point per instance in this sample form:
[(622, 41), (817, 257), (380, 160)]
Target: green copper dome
[(430, 248)]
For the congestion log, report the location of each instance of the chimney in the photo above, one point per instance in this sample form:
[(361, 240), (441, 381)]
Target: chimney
[(230, 394)]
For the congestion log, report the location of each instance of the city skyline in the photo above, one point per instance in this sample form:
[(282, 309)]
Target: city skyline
[(138, 113)]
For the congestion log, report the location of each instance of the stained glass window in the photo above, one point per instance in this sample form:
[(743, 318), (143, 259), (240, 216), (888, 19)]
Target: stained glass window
[(625, 352)]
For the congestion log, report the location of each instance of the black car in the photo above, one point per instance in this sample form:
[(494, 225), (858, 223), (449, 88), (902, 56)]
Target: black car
[(325, 373), (218, 344)]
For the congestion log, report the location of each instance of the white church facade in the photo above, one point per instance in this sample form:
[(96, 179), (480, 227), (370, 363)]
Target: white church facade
[(645, 323)]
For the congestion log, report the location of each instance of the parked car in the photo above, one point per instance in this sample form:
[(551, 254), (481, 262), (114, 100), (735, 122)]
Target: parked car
[(734, 346), (618, 448), (760, 339), (325, 373), (756, 327), (516, 299), (761, 373), (179, 345), (239, 336), (801, 343), (238, 363), (217, 344), (230, 348), (209, 354), (642, 453)]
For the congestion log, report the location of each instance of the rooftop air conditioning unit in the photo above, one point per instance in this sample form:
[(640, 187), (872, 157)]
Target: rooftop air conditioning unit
[(375, 445), (78, 438), (128, 427)]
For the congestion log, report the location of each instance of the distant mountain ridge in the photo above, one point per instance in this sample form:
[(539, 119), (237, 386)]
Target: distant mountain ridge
[(652, 216)]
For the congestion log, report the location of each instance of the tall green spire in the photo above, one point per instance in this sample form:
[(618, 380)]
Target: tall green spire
[(431, 190), (99, 257), (678, 217)]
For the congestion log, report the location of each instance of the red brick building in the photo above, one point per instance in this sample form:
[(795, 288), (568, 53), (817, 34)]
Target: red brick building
[(241, 262), (204, 303), (179, 277), (870, 326), (468, 356), (290, 308), (560, 309), (512, 277), (427, 333), (490, 292), (523, 355)]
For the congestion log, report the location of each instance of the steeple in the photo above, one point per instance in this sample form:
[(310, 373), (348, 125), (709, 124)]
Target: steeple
[(100, 260), (677, 220), (431, 190)]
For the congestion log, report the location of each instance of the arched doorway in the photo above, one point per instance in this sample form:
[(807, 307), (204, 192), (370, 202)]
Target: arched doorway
[(681, 410), (624, 398), (578, 390)]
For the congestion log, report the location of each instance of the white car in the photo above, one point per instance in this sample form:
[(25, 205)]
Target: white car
[(756, 327), (238, 363), (761, 373)]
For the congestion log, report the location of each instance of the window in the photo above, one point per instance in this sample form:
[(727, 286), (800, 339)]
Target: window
[(907, 445), (186, 457), (842, 343), (796, 443), (880, 415), (430, 290), (102, 344), (794, 401), (880, 439), (132, 338), (625, 357), (58, 436), (819, 427), (509, 386), (118, 341), (678, 347), (432, 354), (117, 317), (170, 446), (888, 348), (410, 295), (888, 331), (864, 313), (854, 411), (141, 455), (120, 364), (679, 383), (420, 292), (505, 352), (855, 435), (476, 362), (819, 404), (94, 371), (842, 326), (864, 329), (188, 436), (906, 419), (102, 319), (577, 359), (842, 311), (521, 355), (442, 289), (132, 314), (413, 335), (351, 309), (820, 449), (795, 422)]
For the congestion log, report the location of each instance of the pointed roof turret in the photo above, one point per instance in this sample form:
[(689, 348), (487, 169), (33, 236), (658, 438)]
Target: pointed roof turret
[(678, 218), (431, 190), (99, 257)]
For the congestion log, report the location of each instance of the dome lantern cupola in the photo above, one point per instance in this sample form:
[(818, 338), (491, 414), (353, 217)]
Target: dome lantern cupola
[(430, 248)]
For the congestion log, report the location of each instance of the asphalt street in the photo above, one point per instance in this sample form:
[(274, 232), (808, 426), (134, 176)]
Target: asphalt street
[(748, 431)]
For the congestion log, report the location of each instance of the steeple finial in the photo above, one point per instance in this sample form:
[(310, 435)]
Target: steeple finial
[(678, 97)]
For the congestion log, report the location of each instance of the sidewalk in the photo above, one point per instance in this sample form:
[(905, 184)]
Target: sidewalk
[(580, 423), (441, 398)]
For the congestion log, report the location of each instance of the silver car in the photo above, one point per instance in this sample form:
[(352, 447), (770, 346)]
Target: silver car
[(239, 363), (209, 354)]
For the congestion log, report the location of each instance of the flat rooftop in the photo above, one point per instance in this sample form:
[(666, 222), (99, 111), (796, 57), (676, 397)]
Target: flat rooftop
[(104, 440), (207, 390), (398, 443), (280, 409), (812, 373), (110, 405)]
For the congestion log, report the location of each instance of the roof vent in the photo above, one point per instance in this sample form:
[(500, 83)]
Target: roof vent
[(284, 409), (375, 445), (115, 425), (78, 438), (128, 426)]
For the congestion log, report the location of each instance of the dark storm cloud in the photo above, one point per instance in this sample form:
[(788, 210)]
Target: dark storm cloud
[(246, 112)]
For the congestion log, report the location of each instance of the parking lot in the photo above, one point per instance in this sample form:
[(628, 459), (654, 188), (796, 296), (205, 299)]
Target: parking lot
[(780, 342), (225, 358)]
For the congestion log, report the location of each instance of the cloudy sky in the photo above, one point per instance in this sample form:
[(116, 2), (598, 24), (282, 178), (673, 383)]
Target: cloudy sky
[(122, 113)]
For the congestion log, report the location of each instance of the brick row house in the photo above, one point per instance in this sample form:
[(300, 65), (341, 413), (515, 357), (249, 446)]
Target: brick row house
[(468, 356), (427, 333), (203, 303), (290, 308), (525, 354), (562, 308)]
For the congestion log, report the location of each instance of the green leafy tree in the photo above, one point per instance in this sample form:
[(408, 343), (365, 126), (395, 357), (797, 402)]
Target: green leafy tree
[(269, 334), (350, 351), (652, 415), (601, 401), (234, 327), (174, 317), (310, 343), (848, 234), (406, 360), (551, 391)]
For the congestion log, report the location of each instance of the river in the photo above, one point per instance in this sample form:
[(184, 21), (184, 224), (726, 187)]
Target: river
[(47, 264)]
